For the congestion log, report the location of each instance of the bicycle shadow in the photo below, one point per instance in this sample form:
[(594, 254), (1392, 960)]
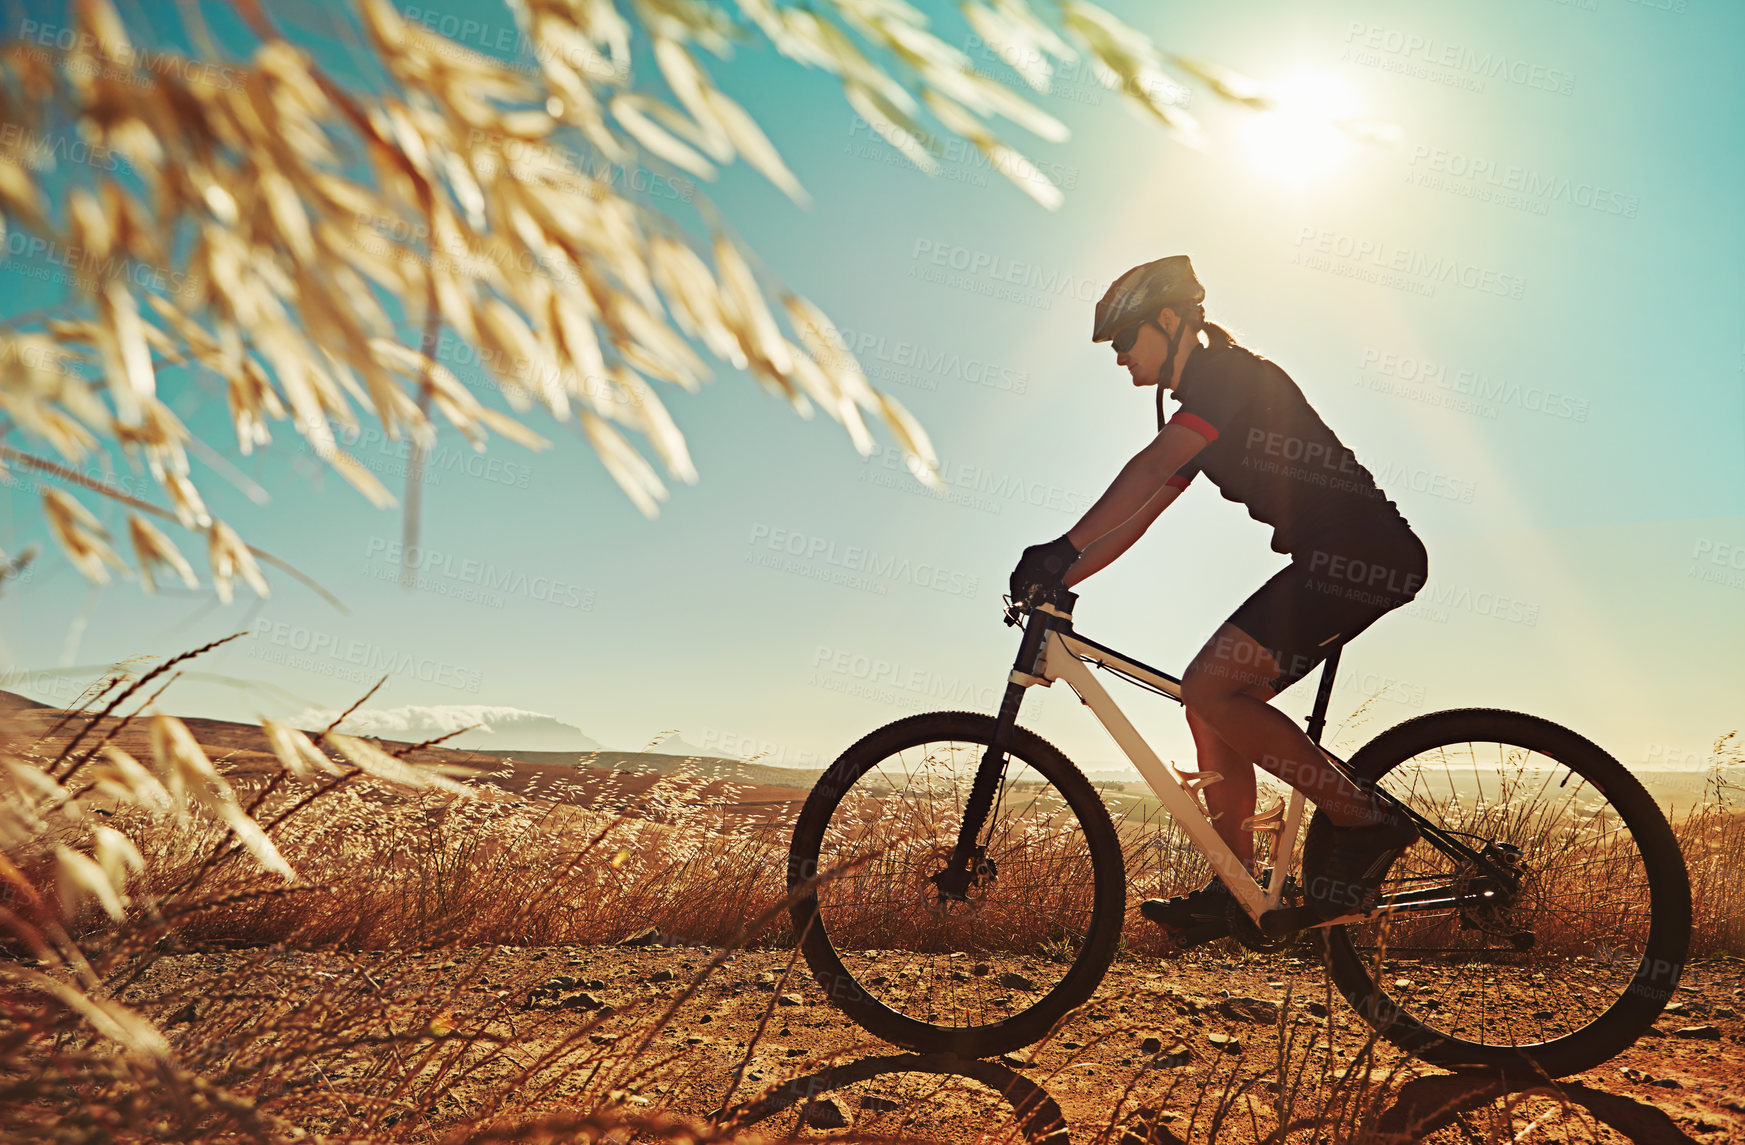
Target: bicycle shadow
[(1037, 1115), (1423, 1106), (1428, 1104)]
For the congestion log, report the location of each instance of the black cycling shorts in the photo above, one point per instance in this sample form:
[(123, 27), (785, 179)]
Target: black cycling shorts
[(1329, 593)]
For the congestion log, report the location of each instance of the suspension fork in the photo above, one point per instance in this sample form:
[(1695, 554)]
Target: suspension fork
[(954, 881)]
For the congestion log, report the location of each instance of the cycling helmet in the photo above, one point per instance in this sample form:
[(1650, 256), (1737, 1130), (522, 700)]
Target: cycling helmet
[(1142, 291)]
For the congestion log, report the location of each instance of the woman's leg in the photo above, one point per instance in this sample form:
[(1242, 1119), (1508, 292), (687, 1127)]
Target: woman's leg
[(1218, 690), (1231, 800)]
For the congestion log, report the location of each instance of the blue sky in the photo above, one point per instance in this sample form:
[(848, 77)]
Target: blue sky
[(1524, 316)]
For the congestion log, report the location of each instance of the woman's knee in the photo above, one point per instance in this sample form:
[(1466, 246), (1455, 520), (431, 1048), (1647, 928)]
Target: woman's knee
[(1206, 695), (1201, 693)]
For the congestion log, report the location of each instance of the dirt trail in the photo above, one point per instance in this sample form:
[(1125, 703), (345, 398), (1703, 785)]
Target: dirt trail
[(807, 1070)]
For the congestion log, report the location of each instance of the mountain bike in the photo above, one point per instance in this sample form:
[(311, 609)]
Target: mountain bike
[(1540, 925)]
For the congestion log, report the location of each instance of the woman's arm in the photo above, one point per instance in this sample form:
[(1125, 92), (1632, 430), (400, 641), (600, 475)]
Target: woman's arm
[(1140, 480), (1103, 551)]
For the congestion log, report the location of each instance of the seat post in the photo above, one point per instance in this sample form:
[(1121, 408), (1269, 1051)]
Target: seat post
[(1323, 694)]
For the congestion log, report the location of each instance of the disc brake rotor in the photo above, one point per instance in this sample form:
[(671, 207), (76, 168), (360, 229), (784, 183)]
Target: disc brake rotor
[(982, 874), (1493, 908)]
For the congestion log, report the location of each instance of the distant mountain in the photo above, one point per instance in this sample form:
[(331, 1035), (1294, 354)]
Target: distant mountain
[(501, 729), (538, 733)]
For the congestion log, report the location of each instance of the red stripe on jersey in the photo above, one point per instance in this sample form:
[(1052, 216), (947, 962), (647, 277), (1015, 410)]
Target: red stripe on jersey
[(1198, 424), (1177, 481)]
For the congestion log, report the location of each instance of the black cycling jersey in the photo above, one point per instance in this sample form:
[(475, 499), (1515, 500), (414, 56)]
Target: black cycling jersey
[(1268, 449)]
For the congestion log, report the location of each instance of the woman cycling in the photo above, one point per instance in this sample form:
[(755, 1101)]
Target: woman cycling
[(1245, 425)]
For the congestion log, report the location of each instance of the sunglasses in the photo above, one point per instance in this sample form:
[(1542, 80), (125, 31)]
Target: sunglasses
[(1123, 341)]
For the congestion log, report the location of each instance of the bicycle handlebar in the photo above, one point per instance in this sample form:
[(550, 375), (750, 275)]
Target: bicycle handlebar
[(1057, 595)]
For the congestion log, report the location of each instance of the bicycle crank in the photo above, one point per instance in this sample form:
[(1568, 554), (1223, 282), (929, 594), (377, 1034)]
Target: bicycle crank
[(1252, 935)]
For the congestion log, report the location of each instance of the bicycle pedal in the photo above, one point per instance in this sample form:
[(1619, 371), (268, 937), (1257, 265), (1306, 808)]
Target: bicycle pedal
[(1285, 920), (1168, 912), (1186, 930)]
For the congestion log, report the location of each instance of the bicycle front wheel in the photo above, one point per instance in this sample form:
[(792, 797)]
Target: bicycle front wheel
[(1556, 976), (1040, 923)]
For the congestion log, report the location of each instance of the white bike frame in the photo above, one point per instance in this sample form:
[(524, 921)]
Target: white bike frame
[(1063, 658)]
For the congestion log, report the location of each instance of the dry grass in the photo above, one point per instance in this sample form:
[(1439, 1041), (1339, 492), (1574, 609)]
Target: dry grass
[(1578, 857), (430, 873), (110, 868), (285, 231)]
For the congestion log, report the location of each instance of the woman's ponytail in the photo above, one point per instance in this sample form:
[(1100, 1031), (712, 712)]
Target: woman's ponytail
[(1217, 338)]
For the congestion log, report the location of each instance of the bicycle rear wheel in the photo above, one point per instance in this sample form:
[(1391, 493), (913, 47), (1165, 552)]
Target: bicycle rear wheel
[(1556, 977), (1042, 919)]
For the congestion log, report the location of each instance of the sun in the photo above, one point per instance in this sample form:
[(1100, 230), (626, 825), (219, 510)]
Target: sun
[(1297, 143)]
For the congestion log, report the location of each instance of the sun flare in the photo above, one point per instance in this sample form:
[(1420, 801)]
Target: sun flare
[(1298, 143)]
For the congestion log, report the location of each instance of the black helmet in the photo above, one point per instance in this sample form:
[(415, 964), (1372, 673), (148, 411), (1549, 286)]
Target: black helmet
[(1143, 291)]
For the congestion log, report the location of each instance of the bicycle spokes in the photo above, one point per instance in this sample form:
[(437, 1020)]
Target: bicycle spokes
[(1025, 893), (1535, 936)]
